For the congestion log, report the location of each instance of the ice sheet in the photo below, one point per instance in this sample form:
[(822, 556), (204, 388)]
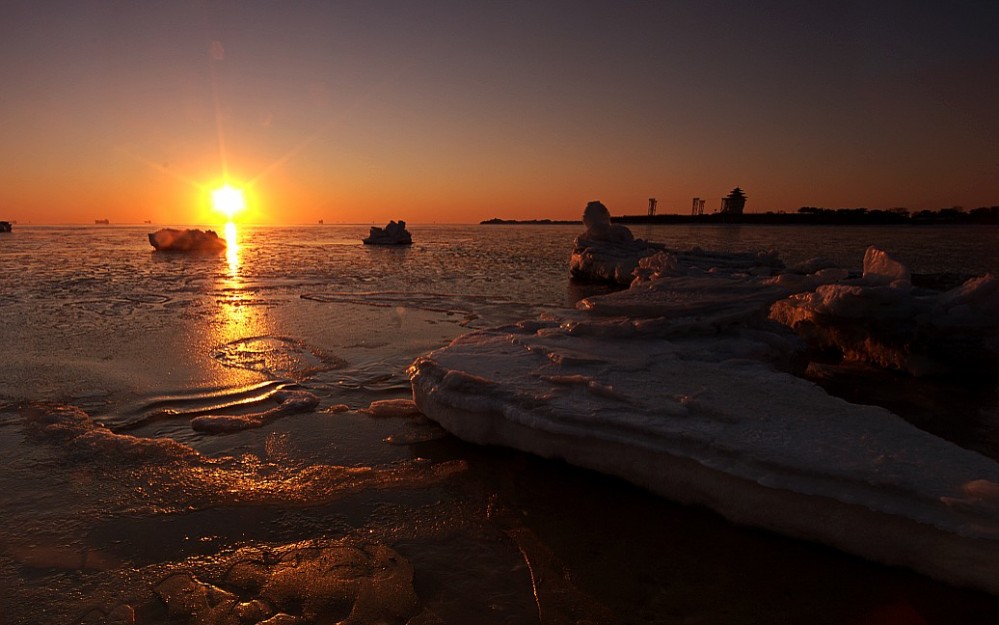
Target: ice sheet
[(676, 389)]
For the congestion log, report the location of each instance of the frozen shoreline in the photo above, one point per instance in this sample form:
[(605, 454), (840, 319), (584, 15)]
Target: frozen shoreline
[(682, 397), (146, 343)]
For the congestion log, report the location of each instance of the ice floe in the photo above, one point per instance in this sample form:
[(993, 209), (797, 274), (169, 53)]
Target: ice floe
[(394, 233), (191, 240), (684, 384)]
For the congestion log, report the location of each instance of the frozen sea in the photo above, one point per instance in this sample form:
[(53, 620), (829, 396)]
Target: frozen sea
[(138, 515)]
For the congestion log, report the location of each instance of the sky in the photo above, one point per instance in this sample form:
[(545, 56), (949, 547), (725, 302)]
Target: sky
[(444, 111)]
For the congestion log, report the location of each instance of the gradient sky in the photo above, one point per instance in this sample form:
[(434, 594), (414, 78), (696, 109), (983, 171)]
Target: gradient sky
[(458, 111)]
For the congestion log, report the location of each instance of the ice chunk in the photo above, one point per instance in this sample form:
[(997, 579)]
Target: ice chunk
[(392, 408), (882, 268), (881, 319), (606, 252), (394, 233), (973, 305), (173, 240), (607, 262)]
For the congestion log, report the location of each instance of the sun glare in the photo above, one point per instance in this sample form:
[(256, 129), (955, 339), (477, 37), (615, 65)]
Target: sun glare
[(228, 201)]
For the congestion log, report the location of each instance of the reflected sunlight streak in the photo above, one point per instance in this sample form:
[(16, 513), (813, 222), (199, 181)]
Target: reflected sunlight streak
[(232, 249), (238, 317)]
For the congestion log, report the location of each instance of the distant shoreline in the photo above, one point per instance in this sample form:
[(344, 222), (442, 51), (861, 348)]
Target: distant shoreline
[(496, 221), (819, 217)]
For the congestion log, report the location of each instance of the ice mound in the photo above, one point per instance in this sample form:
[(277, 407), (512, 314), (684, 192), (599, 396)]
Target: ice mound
[(394, 233), (173, 240), (676, 385), (881, 319), (606, 252)]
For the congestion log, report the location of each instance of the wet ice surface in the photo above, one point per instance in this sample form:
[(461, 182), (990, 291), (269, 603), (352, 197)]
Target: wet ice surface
[(126, 508)]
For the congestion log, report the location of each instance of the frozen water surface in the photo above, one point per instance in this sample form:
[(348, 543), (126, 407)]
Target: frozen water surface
[(114, 507)]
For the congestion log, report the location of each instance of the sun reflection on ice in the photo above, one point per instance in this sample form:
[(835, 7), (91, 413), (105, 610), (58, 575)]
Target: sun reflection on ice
[(229, 200), (238, 315), (236, 318), (232, 249)]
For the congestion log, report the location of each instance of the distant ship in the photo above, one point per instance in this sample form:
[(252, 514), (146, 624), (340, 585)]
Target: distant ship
[(102, 221), (5, 226)]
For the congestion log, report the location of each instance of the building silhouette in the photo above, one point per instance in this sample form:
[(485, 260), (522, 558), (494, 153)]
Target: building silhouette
[(734, 202)]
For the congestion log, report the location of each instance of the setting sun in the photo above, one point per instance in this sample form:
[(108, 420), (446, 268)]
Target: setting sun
[(228, 200)]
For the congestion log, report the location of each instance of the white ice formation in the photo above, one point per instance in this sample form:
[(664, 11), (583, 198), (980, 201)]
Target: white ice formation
[(606, 252), (394, 233), (678, 384), (174, 240)]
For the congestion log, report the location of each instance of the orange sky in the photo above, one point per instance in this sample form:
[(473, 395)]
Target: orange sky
[(454, 112)]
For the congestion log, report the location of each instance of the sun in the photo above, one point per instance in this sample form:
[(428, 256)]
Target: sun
[(228, 200)]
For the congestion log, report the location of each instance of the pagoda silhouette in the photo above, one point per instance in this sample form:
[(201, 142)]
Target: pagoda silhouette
[(734, 202)]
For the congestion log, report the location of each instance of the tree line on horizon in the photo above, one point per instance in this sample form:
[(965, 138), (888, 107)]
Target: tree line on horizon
[(805, 215), (824, 216), (953, 214)]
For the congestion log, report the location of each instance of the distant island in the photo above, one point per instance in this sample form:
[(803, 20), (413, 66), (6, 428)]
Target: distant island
[(532, 222), (806, 215)]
